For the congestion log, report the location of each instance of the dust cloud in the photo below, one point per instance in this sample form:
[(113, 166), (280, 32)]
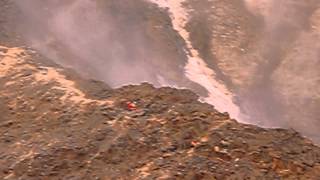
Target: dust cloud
[(81, 35), (286, 89)]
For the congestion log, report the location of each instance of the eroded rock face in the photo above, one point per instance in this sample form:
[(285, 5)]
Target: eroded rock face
[(56, 125), (267, 53)]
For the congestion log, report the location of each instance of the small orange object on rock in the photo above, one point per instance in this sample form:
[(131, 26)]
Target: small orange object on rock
[(195, 143), (131, 106)]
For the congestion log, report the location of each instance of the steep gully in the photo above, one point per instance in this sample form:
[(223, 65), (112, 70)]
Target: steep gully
[(196, 68)]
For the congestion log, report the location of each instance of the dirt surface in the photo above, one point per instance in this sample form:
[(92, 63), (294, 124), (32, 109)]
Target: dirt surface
[(55, 124), (51, 129)]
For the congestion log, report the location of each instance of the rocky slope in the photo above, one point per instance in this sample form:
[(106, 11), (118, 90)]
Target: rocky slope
[(54, 125), (258, 60), (267, 53)]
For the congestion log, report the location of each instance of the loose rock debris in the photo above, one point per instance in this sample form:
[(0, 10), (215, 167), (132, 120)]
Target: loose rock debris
[(139, 132)]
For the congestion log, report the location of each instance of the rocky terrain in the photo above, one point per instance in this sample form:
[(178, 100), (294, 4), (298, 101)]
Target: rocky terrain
[(256, 59), (57, 123), (57, 126)]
